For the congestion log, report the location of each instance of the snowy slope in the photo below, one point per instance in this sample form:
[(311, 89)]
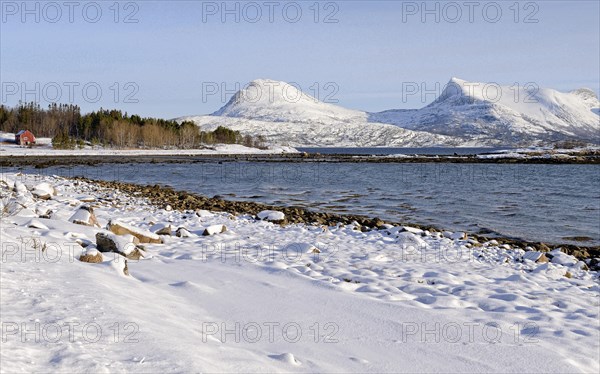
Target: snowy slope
[(257, 298), (326, 132), (465, 114)]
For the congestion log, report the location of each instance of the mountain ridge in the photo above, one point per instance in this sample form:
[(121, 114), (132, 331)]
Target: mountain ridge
[(464, 114)]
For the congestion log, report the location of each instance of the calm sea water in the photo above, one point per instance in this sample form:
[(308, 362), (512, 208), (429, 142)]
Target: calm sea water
[(546, 203)]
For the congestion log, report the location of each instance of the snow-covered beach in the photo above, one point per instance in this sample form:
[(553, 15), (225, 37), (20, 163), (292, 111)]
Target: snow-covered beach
[(227, 293)]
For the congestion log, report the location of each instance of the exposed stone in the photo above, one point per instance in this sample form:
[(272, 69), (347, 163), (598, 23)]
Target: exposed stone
[(92, 256), (43, 191), (85, 216), (543, 247), (144, 236), (162, 229), (182, 232), (106, 242), (535, 256), (214, 229), (123, 245), (136, 253)]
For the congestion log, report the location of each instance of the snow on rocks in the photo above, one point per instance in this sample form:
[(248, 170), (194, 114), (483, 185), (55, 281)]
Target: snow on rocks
[(43, 191), (84, 216), (20, 188), (409, 240), (535, 256), (92, 256), (271, 216), (203, 213), (559, 257), (162, 229), (214, 229), (124, 245), (455, 235), (43, 212), (182, 232), (413, 230), (144, 236)]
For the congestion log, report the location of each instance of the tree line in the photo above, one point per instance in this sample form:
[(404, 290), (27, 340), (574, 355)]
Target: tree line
[(69, 128)]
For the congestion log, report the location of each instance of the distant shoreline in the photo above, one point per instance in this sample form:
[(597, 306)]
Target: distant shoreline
[(41, 161)]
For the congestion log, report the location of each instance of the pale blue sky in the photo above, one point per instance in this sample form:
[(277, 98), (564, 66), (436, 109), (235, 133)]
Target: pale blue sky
[(368, 54)]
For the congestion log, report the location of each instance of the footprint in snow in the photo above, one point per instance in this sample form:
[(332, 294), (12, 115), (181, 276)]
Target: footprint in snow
[(287, 358)]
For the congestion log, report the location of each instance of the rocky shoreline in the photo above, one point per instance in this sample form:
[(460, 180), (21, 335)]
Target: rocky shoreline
[(170, 198), (41, 161)]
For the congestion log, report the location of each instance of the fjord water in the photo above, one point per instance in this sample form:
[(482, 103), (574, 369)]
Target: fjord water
[(548, 203)]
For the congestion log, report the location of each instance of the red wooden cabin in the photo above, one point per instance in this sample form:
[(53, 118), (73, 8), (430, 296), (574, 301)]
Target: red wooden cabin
[(24, 137)]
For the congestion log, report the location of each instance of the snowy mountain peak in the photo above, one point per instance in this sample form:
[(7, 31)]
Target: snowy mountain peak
[(585, 93), (588, 96), (277, 101), (460, 92)]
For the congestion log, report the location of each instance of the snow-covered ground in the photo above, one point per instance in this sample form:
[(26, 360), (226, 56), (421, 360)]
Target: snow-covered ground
[(44, 148), (260, 297)]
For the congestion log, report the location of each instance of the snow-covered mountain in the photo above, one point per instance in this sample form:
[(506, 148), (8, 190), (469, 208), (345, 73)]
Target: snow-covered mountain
[(284, 115), (492, 114), (465, 114)]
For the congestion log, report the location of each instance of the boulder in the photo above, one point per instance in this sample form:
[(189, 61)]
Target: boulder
[(375, 222), (43, 191), (214, 229), (85, 216), (107, 242), (136, 254), (19, 188), (144, 236), (535, 256), (182, 232), (162, 229), (203, 213), (413, 230), (559, 257), (271, 216), (91, 256), (43, 212), (455, 235), (127, 245)]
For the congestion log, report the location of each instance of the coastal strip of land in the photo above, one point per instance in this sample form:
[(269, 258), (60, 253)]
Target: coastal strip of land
[(588, 156)]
